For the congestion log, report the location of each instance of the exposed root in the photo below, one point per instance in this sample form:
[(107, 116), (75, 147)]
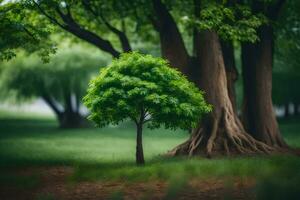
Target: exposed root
[(224, 135), (195, 142), (211, 140)]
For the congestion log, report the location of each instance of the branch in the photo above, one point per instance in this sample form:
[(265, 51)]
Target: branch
[(29, 33), (172, 44), (52, 19), (121, 35), (52, 104), (133, 119), (73, 27)]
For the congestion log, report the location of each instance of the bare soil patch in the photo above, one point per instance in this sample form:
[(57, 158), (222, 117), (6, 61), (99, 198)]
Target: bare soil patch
[(53, 184)]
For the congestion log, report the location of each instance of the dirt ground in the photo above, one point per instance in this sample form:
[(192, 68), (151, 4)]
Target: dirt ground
[(53, 184)]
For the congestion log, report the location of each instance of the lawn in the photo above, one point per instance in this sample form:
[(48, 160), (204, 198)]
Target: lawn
[(33, 140), (107, 154)]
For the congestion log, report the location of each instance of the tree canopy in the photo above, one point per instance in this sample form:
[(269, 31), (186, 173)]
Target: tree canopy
[(137, 83), (23, 29), (144, 89)]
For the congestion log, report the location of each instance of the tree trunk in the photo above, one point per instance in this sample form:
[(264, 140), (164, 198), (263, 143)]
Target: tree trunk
[(222, 132), (258, 114), (73, 120), (171, 42), (68, 117), (139, 145), (296, 109), (231, 71), (286, 110)]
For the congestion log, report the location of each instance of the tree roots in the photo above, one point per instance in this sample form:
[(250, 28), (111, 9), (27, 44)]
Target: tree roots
[(221, 135)]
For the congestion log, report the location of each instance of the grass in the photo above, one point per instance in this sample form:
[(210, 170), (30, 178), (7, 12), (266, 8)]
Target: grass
[(37, 141), (109, 154)]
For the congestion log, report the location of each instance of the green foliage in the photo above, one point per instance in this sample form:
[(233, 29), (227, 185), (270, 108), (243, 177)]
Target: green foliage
[(21, 28), (99, 16), (69, 71), (236, 23), (135, 84)]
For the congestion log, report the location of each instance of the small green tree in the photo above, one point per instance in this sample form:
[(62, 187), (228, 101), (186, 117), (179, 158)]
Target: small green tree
[(146, 90)]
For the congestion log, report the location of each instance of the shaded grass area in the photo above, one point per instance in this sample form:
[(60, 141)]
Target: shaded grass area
[(20, 182), (174, 168), (107, 154), (290, 129)]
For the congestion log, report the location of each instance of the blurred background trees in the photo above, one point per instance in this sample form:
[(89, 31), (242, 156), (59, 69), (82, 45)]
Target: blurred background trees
[(61, 83), (286, 71)]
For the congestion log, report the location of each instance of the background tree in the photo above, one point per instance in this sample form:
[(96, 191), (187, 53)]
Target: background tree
[(287, 58), (144, 89), (60, 83), (286, 90), (257, 61)]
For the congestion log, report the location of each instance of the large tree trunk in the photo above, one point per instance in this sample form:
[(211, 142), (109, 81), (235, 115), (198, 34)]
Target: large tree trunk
[(139, 145), (171, 42), (231, 71), (69, 116), (72, 120), (258, 114), (221, 133)]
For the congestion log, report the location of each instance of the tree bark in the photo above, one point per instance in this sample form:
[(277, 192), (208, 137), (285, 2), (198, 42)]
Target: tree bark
[(171, 42), (88, 36), (221, 133), (139, 145), (258, 115), (231, 71)]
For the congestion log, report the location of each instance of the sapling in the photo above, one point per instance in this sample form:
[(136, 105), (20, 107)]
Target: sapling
[(146, 90)]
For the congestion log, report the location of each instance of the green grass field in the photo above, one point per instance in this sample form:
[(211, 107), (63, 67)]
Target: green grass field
[(34, 140), (109, 154)]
